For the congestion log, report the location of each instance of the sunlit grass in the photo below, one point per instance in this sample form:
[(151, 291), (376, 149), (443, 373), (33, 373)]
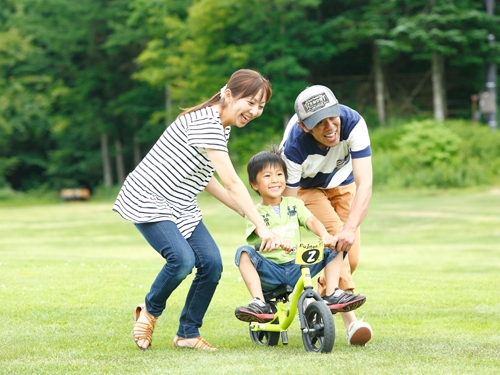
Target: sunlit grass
[(72, 273)]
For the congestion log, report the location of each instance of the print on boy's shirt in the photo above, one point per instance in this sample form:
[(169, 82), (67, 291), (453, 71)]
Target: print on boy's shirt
[(292, 212), (266, 219), (287, 230)]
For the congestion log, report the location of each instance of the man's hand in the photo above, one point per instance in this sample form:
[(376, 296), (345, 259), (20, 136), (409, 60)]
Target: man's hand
[(345, 239)]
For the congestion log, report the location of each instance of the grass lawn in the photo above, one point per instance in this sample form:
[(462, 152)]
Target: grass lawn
[(72, 273)]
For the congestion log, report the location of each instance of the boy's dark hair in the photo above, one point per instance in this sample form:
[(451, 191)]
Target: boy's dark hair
[(263, 159)]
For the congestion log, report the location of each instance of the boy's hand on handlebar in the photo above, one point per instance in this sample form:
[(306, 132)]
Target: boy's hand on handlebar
[(283, 243), (330, 241), (287, 245)]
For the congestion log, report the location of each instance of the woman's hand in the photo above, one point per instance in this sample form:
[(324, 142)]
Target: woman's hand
[(269, 240)]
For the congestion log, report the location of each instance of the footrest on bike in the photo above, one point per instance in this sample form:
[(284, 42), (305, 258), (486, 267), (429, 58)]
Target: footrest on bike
[(284, 337)]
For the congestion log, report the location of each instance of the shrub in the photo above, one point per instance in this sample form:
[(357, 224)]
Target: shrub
[(437, 155)]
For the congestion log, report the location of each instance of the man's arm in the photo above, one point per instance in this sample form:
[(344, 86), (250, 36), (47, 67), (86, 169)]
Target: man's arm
[(290, 192), (363, 175)]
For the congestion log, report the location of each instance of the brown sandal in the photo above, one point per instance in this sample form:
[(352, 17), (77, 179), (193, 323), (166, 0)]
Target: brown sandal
[(143, 331), (200, 344)]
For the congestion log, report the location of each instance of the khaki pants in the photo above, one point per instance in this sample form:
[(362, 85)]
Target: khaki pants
[(332, 207)]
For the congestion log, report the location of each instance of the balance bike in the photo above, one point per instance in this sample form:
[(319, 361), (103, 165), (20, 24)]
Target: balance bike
[(316, 320)]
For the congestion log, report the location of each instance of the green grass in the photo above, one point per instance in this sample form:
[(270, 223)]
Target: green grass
[(72, 273)]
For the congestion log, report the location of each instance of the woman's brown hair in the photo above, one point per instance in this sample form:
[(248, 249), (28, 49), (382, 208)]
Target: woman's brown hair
[(243, 83)]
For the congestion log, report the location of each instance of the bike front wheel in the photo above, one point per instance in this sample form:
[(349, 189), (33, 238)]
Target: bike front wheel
[(319, 334)]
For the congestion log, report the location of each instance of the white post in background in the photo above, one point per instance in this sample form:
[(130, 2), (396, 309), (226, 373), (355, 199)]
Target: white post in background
[(491, 76)]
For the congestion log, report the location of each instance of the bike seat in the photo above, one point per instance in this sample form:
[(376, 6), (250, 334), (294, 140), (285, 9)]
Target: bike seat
[(281, 291)]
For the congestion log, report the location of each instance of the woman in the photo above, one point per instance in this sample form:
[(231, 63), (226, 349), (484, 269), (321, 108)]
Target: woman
[(159, 197)]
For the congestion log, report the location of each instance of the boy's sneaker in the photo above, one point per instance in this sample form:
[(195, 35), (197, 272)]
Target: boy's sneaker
[(359, 333), (340, 301), (256, 311)]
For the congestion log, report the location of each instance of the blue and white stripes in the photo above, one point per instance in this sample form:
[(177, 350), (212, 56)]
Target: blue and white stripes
[(309, 166), (166, 182)]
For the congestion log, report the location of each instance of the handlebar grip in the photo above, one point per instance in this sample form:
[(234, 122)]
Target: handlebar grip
[(257, 247)]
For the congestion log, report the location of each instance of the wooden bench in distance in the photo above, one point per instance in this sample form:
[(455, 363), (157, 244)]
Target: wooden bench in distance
[(75, 194)]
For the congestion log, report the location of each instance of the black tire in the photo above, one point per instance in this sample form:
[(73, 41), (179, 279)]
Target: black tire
[(319, 321), (265, 337)]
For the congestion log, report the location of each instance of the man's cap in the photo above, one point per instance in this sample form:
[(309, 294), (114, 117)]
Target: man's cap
[(314, 104)]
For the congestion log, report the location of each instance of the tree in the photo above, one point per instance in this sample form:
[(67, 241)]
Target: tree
[(201, 48), (96, 101), (26, 94), (202, 45), (440, 31), (86, 87), (366, 23)]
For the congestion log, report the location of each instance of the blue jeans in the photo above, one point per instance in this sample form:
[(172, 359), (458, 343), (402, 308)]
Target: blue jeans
[(181, 255), (272, 275)]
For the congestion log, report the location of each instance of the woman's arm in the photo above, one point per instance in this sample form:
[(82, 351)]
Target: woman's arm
[(215, 189), (240, 195)]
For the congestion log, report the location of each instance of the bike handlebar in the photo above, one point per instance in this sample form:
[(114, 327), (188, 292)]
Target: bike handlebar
[(257, 247)]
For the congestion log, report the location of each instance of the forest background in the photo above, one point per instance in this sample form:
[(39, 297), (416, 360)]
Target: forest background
[(86, 87)]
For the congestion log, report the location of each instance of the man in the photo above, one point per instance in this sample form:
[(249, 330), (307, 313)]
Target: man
[(327, 151)]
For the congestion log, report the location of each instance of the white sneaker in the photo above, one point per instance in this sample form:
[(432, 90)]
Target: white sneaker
[(359, 333)]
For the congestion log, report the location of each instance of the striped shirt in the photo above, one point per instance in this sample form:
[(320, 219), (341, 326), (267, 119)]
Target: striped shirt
[(164, 185), (309, 166)]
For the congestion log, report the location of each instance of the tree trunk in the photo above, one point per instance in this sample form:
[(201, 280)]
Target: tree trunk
[(168, 106), (491, 75), (286, 119), (438, 92), (137, 150), (136, 142), (379, 85), (120, 168), (106, 162)]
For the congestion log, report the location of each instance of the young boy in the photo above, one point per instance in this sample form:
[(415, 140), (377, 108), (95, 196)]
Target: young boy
[(269, 268)]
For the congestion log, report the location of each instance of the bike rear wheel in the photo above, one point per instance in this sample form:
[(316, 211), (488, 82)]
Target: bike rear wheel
[(265, 337), (319, 334)]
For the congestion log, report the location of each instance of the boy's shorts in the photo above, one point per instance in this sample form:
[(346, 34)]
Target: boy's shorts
[(273, 275)]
